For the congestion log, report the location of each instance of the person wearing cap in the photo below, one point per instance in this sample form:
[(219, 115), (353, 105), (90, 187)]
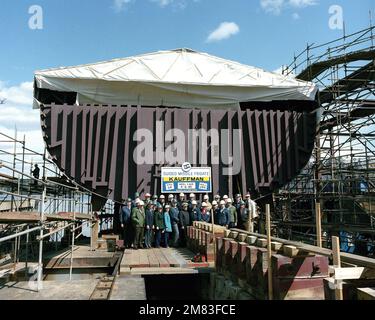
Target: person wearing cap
[(167, 224), (174, 213), (244, 216), (181, 200), (184, 222), (222, 215), (195, 213), (149, 224), (217, 198), (159, 224), (138, 219), (147, 198), (233, 220), (206, 199), (125, 220), (162, 200), (205, 214)]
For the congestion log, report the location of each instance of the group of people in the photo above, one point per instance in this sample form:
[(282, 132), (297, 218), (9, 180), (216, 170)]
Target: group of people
[(157, 221)]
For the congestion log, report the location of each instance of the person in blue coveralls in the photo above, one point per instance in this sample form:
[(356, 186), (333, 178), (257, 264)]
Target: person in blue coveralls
[(195, 213), (125, 220), (205, 214), (222, 215), (167, 224)]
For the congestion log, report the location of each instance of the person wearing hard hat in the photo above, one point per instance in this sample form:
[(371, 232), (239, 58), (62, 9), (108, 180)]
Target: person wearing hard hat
[(191, 199), (225, 198), (184, 222), (195, 213), (205, 214), (136, 199), (217, 198), (175, 219), (138, 219), (252, 207), (244, 216), (162, 200), (170, 199), (126, 225), (181, 200), (149, 224), (222, 215), (233, 220), (207, 200), (237, 201), (214, 205), (147, 198), (159, 224), (167, 224), (155, 199)]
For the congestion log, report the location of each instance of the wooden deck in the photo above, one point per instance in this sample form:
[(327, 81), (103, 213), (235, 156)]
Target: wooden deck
[(161, 261)]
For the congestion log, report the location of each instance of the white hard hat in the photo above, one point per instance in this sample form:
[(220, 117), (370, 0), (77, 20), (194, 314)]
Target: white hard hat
[(167, 206), (205, 196), (182, 194), (141, 203), (225, 197), (204, 204), (193, 202), (192, 195), (214, 203), (229, 200), (222, 202), (162, 197), (147, 195), (137, 200), (170, 196)]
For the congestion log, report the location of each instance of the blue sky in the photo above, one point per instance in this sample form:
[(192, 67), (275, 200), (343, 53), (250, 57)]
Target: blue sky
[(262, 33)]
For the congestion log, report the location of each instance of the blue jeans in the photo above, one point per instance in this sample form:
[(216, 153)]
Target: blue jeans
[(166, 239), (175, 235)]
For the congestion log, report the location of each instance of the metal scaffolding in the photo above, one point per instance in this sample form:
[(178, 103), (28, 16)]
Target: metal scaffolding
[(37, 214), (340, 176)]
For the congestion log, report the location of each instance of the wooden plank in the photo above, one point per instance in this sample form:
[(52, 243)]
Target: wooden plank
[(152, 259), (290, 251), (171, 260), (163, 262), (337, 263), (143, 259), (366, 293)]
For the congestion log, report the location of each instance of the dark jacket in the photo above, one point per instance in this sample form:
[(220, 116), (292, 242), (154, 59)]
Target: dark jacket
[(159, 220), (206, 217), (138, 217), (222, 217), (244, 215), (195, 215), (149, 218), (125, 214), (174, 213), (184, 218)]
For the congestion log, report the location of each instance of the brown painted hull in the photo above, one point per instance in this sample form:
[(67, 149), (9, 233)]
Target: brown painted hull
[(94, 145)]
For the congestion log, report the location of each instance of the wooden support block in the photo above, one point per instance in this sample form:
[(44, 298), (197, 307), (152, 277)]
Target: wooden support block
[(276, 246), (233, 235), (242, 237), (251, 240), (290, 251), (226, 233), (262, 243), (366, 293)]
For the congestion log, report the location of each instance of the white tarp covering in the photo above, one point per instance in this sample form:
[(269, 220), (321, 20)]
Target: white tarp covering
[(182, 78)]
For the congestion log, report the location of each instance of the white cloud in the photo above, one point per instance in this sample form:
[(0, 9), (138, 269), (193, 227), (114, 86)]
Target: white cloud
[(120, 5), (224, 31), (163, 3), (277, 6), (295, 16)]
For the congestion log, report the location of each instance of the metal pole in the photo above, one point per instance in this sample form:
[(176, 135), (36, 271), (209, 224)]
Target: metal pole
[(27, 252), (269, 252), (318, 219), (73, 236), (19, 234)]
